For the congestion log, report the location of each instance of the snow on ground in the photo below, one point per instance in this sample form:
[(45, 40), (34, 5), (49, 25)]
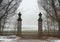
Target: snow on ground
[(11, 38), (14, 38)]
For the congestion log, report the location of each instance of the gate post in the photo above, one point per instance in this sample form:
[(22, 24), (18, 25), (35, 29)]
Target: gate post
[(40, 26), (19, 25)]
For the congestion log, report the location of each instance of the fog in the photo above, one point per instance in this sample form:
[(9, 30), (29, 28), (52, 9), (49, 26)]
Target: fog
[(29, 10)]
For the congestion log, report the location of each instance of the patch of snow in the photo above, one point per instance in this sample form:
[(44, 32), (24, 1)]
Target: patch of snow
[(11, 38)]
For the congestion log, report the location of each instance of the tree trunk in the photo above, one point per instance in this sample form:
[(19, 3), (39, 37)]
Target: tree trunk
[(0, 27), (59, 28), (1, 1)]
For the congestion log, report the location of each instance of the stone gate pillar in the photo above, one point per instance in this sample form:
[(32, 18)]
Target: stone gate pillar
[(40, 25), (19, 25)]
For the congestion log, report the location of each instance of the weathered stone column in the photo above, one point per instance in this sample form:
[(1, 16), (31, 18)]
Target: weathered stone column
[(40, 25), (19, 25)]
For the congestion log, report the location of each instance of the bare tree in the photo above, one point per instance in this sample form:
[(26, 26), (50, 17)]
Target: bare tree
[(7, 8), (52, 7)]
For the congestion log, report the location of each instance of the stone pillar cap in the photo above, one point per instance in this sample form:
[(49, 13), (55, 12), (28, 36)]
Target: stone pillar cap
[(19, 18), (40, 15)]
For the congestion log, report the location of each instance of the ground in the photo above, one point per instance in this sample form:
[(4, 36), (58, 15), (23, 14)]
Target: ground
[(14, 38)]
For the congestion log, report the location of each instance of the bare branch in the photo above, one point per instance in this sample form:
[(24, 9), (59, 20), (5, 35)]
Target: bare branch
[(53, 6), (49, 13), (6, 10), (12, 6), (3, 7)]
